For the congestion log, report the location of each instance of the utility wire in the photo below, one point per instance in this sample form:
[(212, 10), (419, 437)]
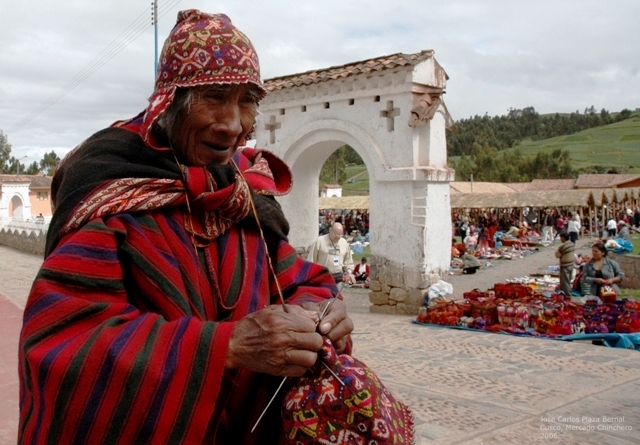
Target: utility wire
[(124, 39)]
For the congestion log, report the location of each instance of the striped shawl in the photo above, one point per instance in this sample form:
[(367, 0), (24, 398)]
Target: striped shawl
[(126, 332)]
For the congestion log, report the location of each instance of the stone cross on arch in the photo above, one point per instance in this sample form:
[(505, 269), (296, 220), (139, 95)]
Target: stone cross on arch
[(390, 113), (272, 126)]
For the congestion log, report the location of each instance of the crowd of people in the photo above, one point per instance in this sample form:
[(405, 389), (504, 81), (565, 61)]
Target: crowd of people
[(479, 229), (477, 232), (353, 221)]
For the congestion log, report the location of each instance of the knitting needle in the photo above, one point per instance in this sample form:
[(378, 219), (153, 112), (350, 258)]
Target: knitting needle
[(324, 312), (326, 308), (320, 317), (268, 404), (331, 371)]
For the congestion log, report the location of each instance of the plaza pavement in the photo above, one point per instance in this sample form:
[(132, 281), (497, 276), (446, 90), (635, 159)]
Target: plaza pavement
[(463, 387)]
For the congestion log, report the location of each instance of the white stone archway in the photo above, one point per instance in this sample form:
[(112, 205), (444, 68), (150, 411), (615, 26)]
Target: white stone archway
[(390, 110), (14, 198), (17, 208)]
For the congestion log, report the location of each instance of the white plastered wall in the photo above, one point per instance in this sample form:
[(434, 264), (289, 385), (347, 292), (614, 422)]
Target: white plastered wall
[(13, 190), (410, 222)]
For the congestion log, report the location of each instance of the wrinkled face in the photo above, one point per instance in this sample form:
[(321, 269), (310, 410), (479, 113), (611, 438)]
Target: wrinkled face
[(210, 128)]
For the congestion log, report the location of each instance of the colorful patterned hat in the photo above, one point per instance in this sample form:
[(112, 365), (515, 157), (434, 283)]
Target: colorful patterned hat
[(202, 49)]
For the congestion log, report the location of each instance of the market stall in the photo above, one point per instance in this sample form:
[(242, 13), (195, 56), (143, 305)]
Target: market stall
[(531, 306), (595, 203), (344, 203), (351, 211)]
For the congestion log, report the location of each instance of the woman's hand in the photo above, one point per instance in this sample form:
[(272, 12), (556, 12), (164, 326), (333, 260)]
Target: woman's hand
[(274, 342), (336, 324)]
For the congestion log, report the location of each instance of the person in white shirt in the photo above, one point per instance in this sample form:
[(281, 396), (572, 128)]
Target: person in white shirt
[(333, 252), (612, 227), (471, 240), (573, 228)]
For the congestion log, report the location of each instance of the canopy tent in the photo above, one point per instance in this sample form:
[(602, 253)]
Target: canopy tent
[(345, 203), (543, 198), (530, 198)]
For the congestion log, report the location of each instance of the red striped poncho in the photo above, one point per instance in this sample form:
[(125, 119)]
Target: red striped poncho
[(126, 331)]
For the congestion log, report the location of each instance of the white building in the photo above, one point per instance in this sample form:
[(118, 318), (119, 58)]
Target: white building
[(391, 111)]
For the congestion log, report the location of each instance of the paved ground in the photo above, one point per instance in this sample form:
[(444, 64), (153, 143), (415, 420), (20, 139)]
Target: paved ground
[(18, 271), (464, 387), (503, 269)]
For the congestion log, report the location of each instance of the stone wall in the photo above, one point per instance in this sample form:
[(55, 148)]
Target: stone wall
[(630, 265), (397, 289), (29, 241)]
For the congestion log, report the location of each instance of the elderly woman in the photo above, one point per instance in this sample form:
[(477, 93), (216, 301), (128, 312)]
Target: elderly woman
[(600, 270), (159, 313)]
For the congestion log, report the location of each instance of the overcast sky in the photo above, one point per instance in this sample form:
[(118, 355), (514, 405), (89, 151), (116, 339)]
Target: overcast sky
[(559, 55)]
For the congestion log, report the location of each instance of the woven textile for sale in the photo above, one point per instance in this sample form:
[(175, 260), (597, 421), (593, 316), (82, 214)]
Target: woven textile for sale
[(343, 402)]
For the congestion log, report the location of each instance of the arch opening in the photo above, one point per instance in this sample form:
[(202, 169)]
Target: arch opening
[(17, 208)]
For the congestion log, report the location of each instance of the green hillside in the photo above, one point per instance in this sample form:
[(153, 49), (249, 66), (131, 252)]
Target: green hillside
[(616, 145), (357, 182)]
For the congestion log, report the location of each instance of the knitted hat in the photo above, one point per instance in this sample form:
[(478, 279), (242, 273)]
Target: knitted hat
[(202, 49)]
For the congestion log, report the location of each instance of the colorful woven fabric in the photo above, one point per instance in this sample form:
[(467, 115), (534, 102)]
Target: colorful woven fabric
[(130, 347), (202, 49), (352, 408), (114, 172), (126, 329)]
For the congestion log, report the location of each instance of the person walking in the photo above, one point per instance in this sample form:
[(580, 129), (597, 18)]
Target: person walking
[(612, 227), (547, 227), (573, 228)]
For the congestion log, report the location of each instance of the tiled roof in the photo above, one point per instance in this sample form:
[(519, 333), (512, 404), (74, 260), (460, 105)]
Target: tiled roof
[(604, 180), (36, 181), (41, 181), (519, 186), (479, 187), (552, 184), (351, 69), (531, 198), (344, 202)]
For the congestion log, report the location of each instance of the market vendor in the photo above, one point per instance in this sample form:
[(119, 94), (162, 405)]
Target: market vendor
[(455, 253), (470, 263), (601, 271), (623, 230), (566, 255)]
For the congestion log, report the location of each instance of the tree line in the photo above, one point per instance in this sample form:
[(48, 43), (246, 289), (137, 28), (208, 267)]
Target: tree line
[(480, 141), (11, 165), (508, 130), (333, 171)]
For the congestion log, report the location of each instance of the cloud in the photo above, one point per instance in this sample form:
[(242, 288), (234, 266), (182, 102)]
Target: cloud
[(555, 56)]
